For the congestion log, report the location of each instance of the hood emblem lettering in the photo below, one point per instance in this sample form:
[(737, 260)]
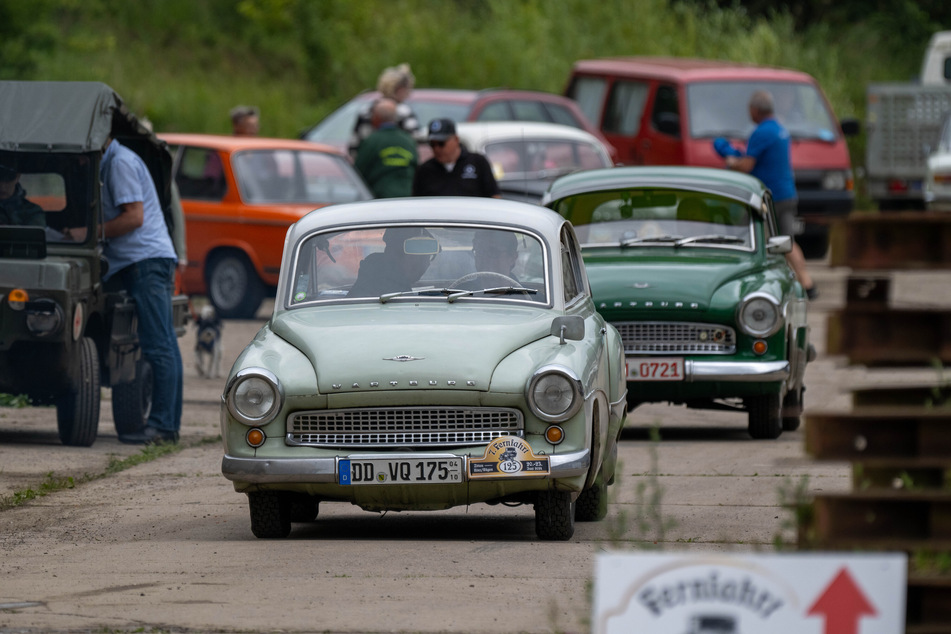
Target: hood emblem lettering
[(403, 357), (640, 285)]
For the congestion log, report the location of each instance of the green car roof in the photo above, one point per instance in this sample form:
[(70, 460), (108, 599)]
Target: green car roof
[(728, 183)]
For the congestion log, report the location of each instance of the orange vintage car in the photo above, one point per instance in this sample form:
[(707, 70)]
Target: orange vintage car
[(240, 195)]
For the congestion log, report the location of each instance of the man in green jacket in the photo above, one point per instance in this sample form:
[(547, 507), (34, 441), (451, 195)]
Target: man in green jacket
[(387, 158)]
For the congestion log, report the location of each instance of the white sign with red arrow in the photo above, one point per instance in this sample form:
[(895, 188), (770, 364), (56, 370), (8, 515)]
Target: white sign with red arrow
[(797, 593)]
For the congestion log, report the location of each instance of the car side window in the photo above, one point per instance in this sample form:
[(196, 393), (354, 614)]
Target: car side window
[(589, 93), (562, 115), (572, 271), (495, 111), (665, 116), (200, 175), (625, 107), (525, 110), (770, 228)]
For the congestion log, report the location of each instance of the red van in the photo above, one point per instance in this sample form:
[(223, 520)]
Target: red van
[(667, 111)]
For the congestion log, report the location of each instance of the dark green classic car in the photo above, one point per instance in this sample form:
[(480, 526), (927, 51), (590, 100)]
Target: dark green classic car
[(688, 265)]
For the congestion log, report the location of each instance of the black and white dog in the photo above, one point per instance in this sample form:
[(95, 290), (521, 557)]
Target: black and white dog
[(208, 343)]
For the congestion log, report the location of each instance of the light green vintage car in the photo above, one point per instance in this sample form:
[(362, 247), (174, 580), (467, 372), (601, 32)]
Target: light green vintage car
[(424, 354), (688, 265)]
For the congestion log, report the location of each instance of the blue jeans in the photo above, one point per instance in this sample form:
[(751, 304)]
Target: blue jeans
[(151, 283)]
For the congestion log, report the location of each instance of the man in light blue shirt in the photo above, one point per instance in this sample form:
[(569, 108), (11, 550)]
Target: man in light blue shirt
[(768, 158), (142, 258)]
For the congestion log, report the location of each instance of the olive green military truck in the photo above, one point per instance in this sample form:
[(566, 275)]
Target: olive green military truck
[(64, 333)]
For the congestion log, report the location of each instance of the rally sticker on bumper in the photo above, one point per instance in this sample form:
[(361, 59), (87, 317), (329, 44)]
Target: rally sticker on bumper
[(508, 456)]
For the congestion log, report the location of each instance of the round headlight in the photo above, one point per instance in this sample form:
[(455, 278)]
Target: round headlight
[(554, 394), (255, 396), (759, 315), (44, 318)]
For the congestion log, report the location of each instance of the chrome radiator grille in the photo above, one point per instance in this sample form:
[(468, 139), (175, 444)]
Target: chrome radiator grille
[(661, 337), (403, 426)]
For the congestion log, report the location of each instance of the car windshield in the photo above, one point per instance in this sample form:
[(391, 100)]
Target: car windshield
[(441, 263), (658, 217), (543, 158), (294, 176), (720, 109)]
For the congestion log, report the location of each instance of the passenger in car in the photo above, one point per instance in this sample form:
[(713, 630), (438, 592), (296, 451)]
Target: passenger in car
[(400, 265), (15, 209)]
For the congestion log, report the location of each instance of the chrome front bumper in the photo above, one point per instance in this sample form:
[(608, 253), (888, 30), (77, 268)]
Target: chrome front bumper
[(743, 371), (324, 470)]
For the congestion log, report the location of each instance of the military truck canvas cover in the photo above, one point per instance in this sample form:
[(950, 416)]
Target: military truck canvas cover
[(56, 116), (77, 117)]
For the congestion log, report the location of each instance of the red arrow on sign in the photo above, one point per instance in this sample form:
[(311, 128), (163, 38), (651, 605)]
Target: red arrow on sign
[(843, 604)]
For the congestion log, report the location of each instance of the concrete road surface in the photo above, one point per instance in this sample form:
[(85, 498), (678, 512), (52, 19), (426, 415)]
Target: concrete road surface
[(167, 545)]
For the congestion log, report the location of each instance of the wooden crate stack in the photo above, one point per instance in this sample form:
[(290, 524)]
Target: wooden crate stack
[(898, 439)]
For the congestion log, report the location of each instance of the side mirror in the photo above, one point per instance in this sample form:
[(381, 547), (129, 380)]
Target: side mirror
[(779, 245), (568, 327), (850, 127)]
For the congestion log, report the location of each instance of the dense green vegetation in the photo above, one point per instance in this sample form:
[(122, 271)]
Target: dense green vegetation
[(185, 63)]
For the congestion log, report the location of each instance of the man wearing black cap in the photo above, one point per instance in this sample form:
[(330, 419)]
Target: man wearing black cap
[(453, 170), (15, 209)]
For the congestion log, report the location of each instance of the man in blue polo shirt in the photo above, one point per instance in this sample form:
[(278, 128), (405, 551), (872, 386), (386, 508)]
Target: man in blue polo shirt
[(768, 158), (141, 256)]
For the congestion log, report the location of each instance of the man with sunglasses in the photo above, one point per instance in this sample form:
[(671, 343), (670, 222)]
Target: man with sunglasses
[(453, 170)]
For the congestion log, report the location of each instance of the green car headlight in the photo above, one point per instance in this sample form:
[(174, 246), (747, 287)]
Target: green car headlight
[(554, 394), (759, 315), (255, 396)]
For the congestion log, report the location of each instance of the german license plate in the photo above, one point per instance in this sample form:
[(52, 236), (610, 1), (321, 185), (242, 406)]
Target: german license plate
[(657, 369), (399, 471)]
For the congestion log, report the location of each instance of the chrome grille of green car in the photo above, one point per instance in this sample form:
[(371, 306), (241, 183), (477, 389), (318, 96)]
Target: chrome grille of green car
[(400, 427), (664, 337)]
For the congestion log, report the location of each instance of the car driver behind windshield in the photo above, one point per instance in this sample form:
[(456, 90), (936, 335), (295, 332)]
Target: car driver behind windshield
[(404, 259), (495, 252), (15, 209)]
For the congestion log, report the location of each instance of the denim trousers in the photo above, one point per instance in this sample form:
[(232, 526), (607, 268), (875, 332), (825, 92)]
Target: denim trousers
[(151, 283)]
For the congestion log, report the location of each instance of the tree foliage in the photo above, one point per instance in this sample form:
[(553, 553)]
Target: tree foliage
[(184, 63)]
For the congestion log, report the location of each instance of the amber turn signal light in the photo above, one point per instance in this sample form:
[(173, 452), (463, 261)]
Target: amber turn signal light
[(255, 437), (18, 298), (554, 434), (759, 346)]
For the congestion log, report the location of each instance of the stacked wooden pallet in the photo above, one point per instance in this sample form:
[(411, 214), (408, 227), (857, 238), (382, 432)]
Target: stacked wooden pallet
[(898, 439)]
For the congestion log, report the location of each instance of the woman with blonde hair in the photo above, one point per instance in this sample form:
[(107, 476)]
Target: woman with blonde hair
[(396, 83)]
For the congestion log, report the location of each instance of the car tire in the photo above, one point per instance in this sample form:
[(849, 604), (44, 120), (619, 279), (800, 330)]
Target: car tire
[(132, 401), (592, 504), (234, 288), (304, 508), (554, 516), (792, 410), (270, 514), (77, 409), (765, 416)]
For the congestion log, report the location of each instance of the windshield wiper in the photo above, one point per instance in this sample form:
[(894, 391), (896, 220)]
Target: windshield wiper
[(454, 293), (715, 238), (499, 290), (632, 241), (422, 292)]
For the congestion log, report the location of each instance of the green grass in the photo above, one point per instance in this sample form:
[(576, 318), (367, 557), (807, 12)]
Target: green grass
[(55, 482)]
